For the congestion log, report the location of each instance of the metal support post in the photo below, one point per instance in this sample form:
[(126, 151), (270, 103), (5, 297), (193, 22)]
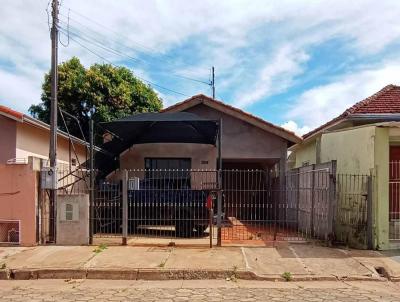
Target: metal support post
[(124, 188), (92, 177), (219, 194), (370, 242)]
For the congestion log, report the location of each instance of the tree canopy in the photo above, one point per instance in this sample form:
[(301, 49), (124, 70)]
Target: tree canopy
[(102, 91)]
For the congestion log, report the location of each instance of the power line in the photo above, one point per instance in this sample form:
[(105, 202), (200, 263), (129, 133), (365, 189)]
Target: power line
[(100, 44), (111, 63), (124, 38)]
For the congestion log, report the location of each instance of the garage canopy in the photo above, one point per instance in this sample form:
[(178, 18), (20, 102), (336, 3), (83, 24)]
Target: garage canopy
[(178, 127), (143, 128)]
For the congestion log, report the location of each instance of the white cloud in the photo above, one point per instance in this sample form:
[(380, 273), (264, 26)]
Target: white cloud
[(286, 29), (294, 127), (320, 104), (276, 76)]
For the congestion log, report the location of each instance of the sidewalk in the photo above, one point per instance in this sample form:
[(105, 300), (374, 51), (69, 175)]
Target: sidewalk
[(295, 261)]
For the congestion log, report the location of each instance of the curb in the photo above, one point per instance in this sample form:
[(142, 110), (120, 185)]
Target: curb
[(166, 274)]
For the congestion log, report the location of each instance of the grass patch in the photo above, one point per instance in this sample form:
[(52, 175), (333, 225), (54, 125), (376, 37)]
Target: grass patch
[(100, 248), (287, 276)]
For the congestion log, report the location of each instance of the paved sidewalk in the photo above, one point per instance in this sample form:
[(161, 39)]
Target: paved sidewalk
[(196, 291), (296, 261)]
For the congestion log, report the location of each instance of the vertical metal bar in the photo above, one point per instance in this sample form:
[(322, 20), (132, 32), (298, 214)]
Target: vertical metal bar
[(91, 188), (219, 201), (370, 244), (312, 201), (124, 188)]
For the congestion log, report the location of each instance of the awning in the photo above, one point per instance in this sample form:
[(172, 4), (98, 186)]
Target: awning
[(144, 128), (178, 127)]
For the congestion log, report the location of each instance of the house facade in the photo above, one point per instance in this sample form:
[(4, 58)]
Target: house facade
[(248, 142), (24, 151), (364, 140)]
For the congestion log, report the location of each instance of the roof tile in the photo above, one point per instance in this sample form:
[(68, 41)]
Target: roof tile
[(385, 101)]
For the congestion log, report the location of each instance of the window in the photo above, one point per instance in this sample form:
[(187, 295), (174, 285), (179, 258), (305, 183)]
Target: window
[(168, 163), (69, 211), (168, 179)]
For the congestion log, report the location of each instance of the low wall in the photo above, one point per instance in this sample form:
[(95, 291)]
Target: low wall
[(18, 199)]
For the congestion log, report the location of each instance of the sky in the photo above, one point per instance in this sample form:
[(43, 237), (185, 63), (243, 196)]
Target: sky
[(295, 63)]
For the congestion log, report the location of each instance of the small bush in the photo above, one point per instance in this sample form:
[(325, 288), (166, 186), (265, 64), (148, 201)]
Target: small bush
[(287, 276)]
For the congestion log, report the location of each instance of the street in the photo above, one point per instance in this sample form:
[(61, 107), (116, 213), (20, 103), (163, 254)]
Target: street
[(196, 290)]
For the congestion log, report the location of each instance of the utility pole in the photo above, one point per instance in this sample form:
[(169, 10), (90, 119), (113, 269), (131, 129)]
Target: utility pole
[(213, 82), (53, 117)]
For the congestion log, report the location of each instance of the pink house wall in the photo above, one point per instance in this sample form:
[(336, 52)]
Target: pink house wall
[(18, 199)]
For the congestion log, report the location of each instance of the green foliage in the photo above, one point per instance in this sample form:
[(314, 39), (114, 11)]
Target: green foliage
[(113, 92), (100, 248), (287, 276)]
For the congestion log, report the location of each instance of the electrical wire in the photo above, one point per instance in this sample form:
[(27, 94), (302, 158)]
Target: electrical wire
[(100, 44), (125, 39), (111, 63)]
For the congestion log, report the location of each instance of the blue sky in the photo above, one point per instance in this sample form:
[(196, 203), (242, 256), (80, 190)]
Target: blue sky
[(294, 63)]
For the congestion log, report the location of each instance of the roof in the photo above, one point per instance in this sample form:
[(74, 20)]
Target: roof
[(385, 101), (23, 118), (8, 112), (156, 127), (233, 111)]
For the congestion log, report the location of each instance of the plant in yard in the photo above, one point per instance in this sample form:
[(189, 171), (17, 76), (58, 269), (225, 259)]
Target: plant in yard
[(100, 248), (287, 276)]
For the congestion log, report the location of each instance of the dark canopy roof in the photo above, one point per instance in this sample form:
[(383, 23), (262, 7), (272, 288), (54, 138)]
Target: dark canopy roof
[(177, 127)]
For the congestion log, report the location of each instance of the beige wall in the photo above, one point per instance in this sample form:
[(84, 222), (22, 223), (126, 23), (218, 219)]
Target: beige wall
[(352, 149), (306, 154), (34, 141), (18, 199), (134, 157), (241, 140)]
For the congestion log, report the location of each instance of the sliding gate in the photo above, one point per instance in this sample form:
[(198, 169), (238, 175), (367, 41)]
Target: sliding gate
[(213, 207)]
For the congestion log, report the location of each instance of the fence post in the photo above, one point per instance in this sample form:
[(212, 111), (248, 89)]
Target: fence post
[(219, 209), (124, 188), (297, 199), (312, 201), (332, 201), (91, 186), (370, 244)]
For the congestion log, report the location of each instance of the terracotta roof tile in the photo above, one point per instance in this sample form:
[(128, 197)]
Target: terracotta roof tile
[(11, 112), (385, 101)]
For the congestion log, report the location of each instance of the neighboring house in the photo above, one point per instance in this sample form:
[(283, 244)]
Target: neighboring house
[(24, 151), (248, 142), (364, 139), (24, 136)]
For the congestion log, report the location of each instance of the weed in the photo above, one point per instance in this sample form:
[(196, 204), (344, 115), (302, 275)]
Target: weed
[(162, 264), (287, 276), (100, 248), (3, 266)]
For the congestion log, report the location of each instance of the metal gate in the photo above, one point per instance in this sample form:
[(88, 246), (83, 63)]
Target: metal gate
[(213, 206)]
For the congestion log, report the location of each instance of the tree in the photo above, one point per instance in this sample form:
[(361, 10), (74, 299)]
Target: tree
[(102, 91)]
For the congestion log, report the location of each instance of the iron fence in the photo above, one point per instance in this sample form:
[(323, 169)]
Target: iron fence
[(255, 205), (354, 210), (394, 200)]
